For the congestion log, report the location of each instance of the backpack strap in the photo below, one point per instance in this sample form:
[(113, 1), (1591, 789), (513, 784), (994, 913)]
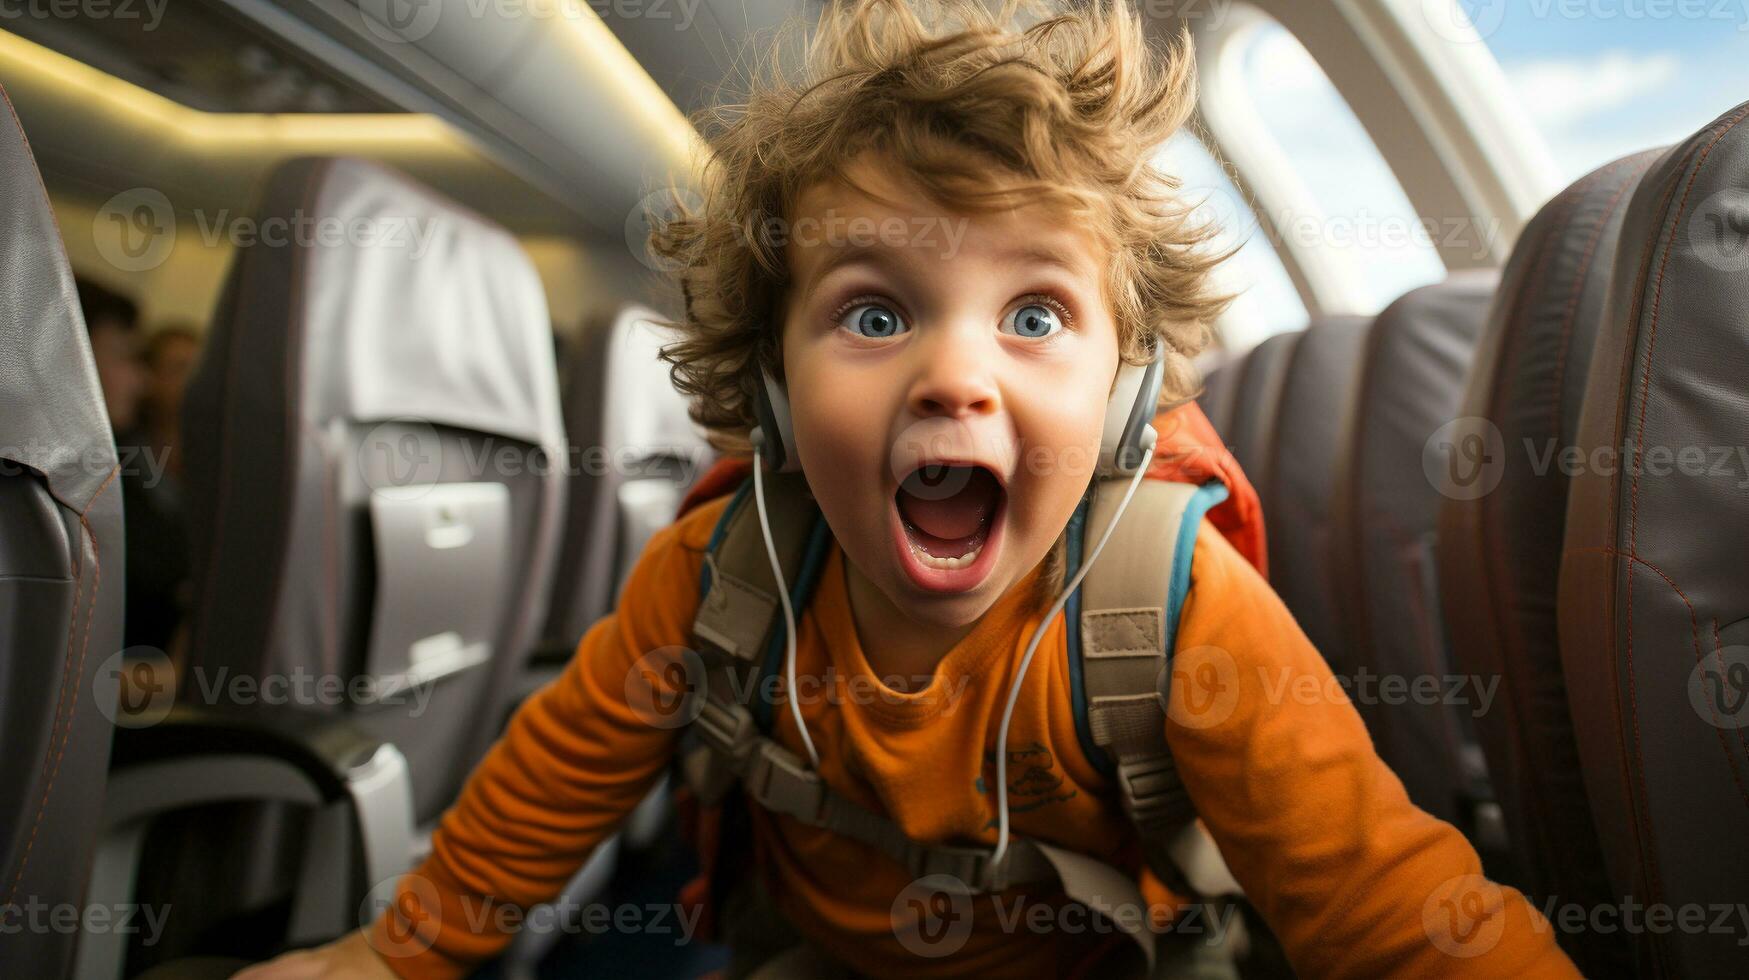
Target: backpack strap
[(1129, 607), (1128, 634), (738, 628)]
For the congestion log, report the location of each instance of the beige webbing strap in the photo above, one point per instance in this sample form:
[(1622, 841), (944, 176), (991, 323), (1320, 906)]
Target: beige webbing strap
[(734, 625), (780, 782), (739, 611), (1123, 651), (1106, 890)]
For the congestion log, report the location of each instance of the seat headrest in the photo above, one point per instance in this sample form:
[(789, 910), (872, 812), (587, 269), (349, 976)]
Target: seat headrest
[(52, 417), (620, 394), (1654, 601), (472, 344)]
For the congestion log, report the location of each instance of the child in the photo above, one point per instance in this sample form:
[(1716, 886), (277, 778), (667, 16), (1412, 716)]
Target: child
[(941, 245)]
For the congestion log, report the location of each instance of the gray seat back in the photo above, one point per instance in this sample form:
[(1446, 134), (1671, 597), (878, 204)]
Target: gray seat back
[(1313, 417), (1654, 589), (633, 453), (1220, 390), (1259, 379), (374, 448), (1412, 382), (60, 576), (1500, 534)]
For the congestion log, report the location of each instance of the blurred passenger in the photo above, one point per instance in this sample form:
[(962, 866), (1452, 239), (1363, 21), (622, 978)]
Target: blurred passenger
[(144, 396), (113, 322), (171, 353)]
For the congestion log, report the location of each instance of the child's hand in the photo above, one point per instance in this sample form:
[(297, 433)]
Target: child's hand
[(349, 958)]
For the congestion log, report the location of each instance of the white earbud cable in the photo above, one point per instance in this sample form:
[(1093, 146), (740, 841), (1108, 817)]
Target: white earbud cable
[(789, 613), (1032, 647), (789, 626)]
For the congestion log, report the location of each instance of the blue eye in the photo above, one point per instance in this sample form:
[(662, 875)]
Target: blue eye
[(1034, 320), (872, 320)]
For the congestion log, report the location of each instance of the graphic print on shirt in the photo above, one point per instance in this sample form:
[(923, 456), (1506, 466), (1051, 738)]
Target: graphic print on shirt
[(1033, 778)]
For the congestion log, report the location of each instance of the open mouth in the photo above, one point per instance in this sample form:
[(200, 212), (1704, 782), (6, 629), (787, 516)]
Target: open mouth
[(948, 515)]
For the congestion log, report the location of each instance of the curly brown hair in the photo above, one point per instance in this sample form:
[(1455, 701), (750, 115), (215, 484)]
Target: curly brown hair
[(1069, 106)]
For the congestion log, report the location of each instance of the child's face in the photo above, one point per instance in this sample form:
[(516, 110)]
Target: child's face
[(914, 337)]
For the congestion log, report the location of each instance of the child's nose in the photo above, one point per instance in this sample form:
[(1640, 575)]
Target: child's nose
[(953, 378)]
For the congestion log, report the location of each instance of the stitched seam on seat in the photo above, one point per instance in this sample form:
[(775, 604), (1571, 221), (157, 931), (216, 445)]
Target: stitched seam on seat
[(1742, 736), (1489, 543), (1694, 633), (1556, 420), (74, 678), (1649, 852), (1612, 524), (1651, 344), (1519, 711), (1585, 261)]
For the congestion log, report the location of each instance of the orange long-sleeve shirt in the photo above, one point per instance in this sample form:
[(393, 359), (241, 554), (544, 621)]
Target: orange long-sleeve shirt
[(1353, 878)]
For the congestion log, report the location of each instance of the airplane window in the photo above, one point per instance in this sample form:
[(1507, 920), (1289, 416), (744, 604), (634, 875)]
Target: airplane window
[(1602, 80), (1266, 301), (1363, 208)]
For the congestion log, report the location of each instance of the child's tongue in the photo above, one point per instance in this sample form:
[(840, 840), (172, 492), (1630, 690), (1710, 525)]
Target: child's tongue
[(946, 506)]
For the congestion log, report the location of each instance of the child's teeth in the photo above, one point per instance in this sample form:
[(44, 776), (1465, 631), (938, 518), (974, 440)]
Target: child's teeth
[(931, 561)]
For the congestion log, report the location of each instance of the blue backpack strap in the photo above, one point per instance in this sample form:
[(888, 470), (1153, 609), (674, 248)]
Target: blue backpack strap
[(1176, 589), (739, 622), (1122, 630)]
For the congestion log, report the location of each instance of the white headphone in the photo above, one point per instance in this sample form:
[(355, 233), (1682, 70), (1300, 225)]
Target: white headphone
[(1125, 446), (1129, 416)]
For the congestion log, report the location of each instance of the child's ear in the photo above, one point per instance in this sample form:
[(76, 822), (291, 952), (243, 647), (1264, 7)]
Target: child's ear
[(774, 438)]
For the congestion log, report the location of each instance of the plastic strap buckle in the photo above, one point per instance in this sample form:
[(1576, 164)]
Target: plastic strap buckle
[(779, 782), (1151, 789), (728, 728), (969, 865)]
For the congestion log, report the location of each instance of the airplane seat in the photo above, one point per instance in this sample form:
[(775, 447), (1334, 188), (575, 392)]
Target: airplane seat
[(1411, 381), (1500, 532), (1653, 603), (1252, 425), (1314, 413), (373, 446), (60, 573), (635, 452), (1220, 389)]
